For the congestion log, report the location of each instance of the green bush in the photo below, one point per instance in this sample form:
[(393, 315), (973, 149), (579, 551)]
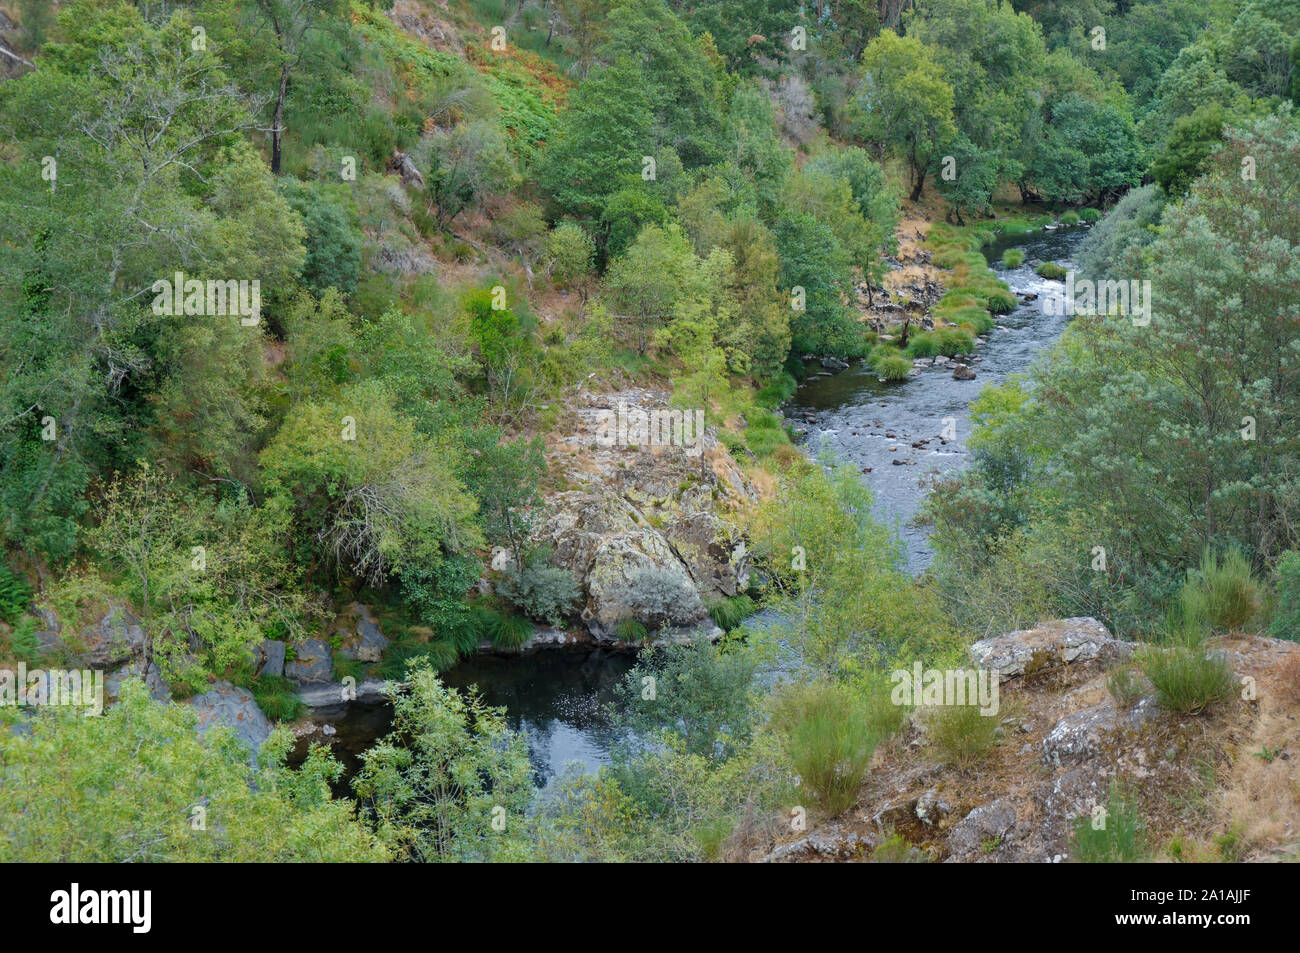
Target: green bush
[(954, 341), (631, 631), (1188, 679), (1070, 217), (1221, 593), (1050, 269), (1286, 614), (1125, 686), (1090, 214), (1013, 258), (961, 734), (541, 591), (923, 344), (829, 733), (15, 595), (1121, 837), (890, 363)]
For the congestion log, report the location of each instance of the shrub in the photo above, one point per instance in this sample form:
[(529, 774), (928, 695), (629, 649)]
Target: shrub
[(1051, 270), (976, 318), (1222, 593), (657, 595), (1013, 258), (1090, 214), (277, 697), (1188, 680), (829, 736), (962, 734), (923, 344), (1286, 614), (1120, 838), (15, 595), (541, 591), (890, 363), (1070, 217)]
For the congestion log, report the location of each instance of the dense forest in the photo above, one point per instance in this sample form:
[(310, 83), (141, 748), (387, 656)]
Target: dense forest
[(307, 308)]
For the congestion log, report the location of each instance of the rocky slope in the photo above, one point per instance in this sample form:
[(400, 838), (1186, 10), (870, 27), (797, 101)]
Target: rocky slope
[(1220, 785)]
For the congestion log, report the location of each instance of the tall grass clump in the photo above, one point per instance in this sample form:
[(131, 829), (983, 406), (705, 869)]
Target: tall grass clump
[(954, 341), (923, 344), (961, 734), (1013, 258), (1051, 270), (1070, 217), (728, 612), (1002, 302), (1188, 679), (1090, 214), (890, 363), (1118, 837), (1221, 594)]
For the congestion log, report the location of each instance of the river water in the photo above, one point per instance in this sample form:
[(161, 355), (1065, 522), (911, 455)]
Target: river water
[(870, 424), (559, 698)]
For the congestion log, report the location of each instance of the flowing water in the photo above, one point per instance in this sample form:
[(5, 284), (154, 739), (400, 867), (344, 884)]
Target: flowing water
[(870, 424), (559, 698)]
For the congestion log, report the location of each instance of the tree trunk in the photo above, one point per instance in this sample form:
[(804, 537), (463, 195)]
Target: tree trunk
[(277, 125)]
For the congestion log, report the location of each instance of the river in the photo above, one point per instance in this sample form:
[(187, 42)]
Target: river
[(558, 698)]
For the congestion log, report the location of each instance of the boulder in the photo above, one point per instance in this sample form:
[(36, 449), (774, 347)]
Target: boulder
[(334, 697), (960, 372), (314, 663), (226, 704), (1047, 646), (152, 679), (1082, 734), (271, 658), (362, 640), (115, 639)]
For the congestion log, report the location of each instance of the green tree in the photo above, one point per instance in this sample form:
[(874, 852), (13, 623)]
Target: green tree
[(904, 102), (450, 782)]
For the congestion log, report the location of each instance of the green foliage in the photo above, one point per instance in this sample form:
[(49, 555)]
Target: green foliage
[(1051, 270), (541, 591), (1221, 594), (1070, 217), (961, 734), (277, 697), (1187, 679), (1188, 148), (829, 732), (729, 612), (1118, 838), (702, 693), (15, 595), (1125, 686), (135, 799), (1286, 615), (430, 787), (1013, 258), (506, 630), (890, 363), (1090, 215)]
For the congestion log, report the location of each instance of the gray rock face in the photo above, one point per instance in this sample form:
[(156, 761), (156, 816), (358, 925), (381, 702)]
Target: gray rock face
[(335, 697), (115, 639), (829, 842), (314, 663), (362, 639), (272, 658), (982, 827), (1048, 646), (226, 704), (152, 680), (1081, 734)]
